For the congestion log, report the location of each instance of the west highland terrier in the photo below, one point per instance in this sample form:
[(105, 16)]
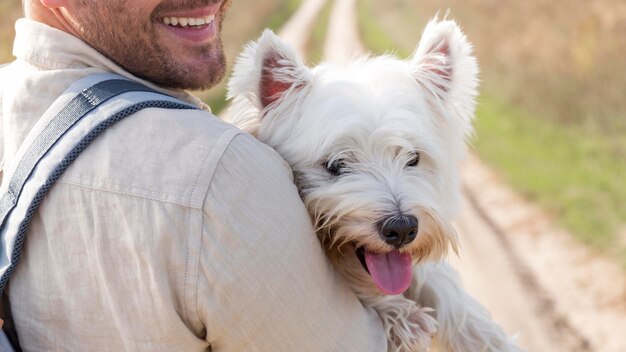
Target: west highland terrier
[(375, 148)]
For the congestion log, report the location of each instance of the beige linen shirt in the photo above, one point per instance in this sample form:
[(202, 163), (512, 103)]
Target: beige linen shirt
[(173, 231)]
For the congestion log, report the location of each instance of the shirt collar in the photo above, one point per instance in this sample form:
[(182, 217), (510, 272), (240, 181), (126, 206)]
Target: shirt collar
[(48, 48)]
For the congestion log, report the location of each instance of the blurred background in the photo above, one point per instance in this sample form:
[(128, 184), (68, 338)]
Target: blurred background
[(553, 93)]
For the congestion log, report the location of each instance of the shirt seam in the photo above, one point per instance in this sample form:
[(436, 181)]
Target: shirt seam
[(232, 134), (220, 147), (130, 194)]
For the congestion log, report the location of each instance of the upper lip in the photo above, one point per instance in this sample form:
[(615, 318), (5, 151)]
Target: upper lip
[(210, 10)]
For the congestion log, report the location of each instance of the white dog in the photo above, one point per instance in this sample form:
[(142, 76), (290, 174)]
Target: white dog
[(375, 147)]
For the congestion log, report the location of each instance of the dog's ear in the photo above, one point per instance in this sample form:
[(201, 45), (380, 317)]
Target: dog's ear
[(281, 71), (267, 70), (444, 66)]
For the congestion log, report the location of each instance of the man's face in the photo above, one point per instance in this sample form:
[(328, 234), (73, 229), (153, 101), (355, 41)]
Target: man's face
[(154, 40)]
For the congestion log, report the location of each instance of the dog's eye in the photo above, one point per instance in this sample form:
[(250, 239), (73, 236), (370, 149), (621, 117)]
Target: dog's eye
[(415, 159), (335, 167)]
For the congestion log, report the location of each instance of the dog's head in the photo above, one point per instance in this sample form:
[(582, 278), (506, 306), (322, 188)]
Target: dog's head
[(374, 145)]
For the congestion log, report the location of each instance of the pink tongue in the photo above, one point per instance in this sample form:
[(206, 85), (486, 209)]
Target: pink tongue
[(391, 272)]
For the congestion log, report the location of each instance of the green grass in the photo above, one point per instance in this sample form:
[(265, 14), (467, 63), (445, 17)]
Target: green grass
[(572, 172)]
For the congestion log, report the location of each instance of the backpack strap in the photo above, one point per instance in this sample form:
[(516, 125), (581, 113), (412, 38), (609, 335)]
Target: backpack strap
[(78, 116)]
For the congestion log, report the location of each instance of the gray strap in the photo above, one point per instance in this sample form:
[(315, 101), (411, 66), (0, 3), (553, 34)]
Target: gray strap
[(74, 111), (78, 108)]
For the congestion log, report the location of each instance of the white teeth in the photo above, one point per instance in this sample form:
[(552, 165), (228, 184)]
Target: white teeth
[(187, 21)]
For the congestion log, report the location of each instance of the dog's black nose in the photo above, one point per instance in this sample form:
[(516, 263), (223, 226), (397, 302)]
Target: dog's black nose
[(399, 230)]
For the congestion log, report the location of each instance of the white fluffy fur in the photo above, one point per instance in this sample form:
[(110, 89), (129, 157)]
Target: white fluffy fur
[(373, 114)]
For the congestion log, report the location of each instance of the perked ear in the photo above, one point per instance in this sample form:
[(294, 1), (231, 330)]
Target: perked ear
[(444, 66), (266, 71)]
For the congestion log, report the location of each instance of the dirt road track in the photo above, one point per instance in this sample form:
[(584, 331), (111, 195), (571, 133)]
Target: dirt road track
[(518, 263), (537, 282)]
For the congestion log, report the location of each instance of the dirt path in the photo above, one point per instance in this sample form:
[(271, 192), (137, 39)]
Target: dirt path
[(519, 264), (536, 281)]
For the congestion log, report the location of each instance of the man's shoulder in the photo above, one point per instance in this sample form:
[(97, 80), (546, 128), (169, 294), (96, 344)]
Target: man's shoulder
[(163, 154)]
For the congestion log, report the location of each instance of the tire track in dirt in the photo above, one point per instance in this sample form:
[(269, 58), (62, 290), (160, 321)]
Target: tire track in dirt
[(493, 271), (577, 299), (544, 304)]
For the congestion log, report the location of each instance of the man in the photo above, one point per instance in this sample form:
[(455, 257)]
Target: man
[(173, 231)]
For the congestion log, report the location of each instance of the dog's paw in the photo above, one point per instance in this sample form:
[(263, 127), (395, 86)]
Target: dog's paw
[(410, 331)]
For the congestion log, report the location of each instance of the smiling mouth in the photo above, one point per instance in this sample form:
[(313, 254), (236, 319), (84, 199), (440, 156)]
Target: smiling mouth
[(192, 27), (188, 22)]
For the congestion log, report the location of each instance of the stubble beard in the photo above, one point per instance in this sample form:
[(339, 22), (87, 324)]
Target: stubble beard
[(133, 43)]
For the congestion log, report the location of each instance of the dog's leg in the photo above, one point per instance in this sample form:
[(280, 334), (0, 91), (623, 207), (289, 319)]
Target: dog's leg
[(409, 327), (463, 324)]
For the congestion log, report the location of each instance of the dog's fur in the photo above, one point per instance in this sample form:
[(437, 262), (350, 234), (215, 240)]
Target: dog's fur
[(351, 135)]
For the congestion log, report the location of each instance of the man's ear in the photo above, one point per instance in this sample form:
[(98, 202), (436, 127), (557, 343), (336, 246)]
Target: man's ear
[(266, 71), (52, 4), (444, 66)]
